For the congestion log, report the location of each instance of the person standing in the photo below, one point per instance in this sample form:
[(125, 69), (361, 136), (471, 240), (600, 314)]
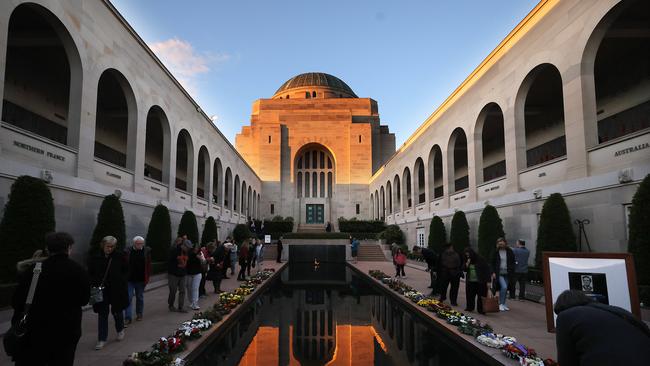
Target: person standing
[(233, 252), (176, 271), (109, 270), (216, 271), (260, 255), (476, 280), (450, 273), (54, 320), (589, 333), (138, 257), (252, 254), (243, 261), (400, 262), (206, 253), (279, 249), (431, 258), (503, 267), (194, 269), (354, 249), (521, 269)]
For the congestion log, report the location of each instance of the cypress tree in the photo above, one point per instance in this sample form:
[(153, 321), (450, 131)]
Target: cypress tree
[(437, 234), (240, 233), (639, 238), (209, 231), (110, 221), (392, 234), (555, 232), (459, 236), (490, 228), (28, 216), (189, 227), (159, 233)]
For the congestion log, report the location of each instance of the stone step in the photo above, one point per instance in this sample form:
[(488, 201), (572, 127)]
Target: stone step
[(371, 252)]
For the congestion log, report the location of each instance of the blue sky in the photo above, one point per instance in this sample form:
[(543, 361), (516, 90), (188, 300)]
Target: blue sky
[(407, 55)]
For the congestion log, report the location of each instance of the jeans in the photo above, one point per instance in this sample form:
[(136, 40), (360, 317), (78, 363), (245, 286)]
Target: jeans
[(233, 263), (138, 289), (102, 324), (503, 288), (176, 283), (193, 282)]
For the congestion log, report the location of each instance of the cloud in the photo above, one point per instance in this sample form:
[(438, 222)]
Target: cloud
[(180, 57)]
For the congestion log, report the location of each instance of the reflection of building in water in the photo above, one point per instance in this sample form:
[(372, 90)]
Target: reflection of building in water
[(314, 331)]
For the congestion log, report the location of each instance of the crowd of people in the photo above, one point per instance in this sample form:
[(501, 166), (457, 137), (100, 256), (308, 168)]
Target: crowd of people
[(113, 282)]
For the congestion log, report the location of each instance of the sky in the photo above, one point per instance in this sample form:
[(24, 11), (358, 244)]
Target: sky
[(407, 55)]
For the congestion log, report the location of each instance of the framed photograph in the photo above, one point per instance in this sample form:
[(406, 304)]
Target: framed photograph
[(608, 278), (267, 239)]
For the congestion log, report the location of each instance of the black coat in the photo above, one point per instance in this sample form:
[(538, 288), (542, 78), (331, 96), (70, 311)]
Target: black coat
[(177, 261), (496, 261), (430, 257), (449, 264), (215, 272), (483, 272), (598, 334), (115, 285), (55, 315)]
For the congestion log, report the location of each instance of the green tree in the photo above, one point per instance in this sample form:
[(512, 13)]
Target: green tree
[(639, 238), (490, 228), (240, 233), (392, 234), (555, 232), (189, 227), (159, 233), (110, 221), (209, 231), (28, 216), (437, 234), (459, 236)]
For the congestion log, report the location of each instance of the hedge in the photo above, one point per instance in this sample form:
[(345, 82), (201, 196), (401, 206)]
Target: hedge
[(189, 227), (361, 226), (110, 221), (555, 232), (459, 236), (490, 228), (639, 238), (159, 233), (28, 216), (392, 234)]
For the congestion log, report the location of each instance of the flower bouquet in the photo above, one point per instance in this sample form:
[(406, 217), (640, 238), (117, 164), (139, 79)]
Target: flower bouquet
[(414, 296), (495, 340), (169, 345), (243, 291), (213, 315), (230, 300), (153, 358)]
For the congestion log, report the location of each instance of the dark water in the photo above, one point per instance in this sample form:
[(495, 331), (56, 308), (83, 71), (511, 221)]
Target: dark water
[(331, 316)]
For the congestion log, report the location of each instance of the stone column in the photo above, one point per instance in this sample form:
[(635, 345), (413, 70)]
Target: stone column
[(575, 124), (138, 138), (82, 134), (515, 146)]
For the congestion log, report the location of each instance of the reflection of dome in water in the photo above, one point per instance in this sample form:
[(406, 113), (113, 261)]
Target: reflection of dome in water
[(314, 331)]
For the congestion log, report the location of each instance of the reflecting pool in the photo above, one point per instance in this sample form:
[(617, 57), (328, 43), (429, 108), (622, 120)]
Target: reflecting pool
[(328, 315)]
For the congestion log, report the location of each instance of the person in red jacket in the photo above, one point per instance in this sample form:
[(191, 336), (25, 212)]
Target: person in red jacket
[(400, 262)]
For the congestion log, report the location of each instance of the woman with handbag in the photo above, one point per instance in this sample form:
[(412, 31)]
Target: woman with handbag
[(109, 289), (216, 271), (503, 268), (476, 280)]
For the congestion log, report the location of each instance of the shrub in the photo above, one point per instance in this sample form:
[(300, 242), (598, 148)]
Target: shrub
[(555, 232), (437, 234), (209, 231), (361, 226), (459, 236), (277, 218), (490, 228), (189, 227), (159, 233), (241, 232), (110, 221), (392, 234), (639, 238), (28, 216)]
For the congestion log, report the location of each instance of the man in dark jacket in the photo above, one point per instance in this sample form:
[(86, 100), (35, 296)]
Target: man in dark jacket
[(279, 249), (54, 322), (176, 271), (138, 257), (450, 273), (431, 258), (503, 267), (595, 334)]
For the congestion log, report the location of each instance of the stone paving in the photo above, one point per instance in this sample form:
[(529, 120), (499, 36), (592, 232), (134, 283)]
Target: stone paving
[(526, 320), (158, 322)]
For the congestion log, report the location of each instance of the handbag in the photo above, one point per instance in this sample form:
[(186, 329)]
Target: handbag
[(15, 337), (490, 302), (97, 292)]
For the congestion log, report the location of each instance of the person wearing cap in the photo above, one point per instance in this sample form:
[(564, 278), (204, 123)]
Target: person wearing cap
[(138, 256)]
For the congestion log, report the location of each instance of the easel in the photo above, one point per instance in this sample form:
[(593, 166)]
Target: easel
[(581, 231)]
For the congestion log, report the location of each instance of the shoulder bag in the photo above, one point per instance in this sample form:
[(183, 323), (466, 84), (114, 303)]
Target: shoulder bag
[(14, 339), (97, 292)]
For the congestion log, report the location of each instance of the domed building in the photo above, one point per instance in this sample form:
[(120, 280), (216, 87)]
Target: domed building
[(315, 144)]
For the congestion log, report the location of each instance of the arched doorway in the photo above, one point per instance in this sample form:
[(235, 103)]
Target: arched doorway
[(314, 177)]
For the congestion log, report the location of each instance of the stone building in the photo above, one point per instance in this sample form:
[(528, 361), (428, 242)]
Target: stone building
[(315, 145), (87, 106), (562, 104)]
